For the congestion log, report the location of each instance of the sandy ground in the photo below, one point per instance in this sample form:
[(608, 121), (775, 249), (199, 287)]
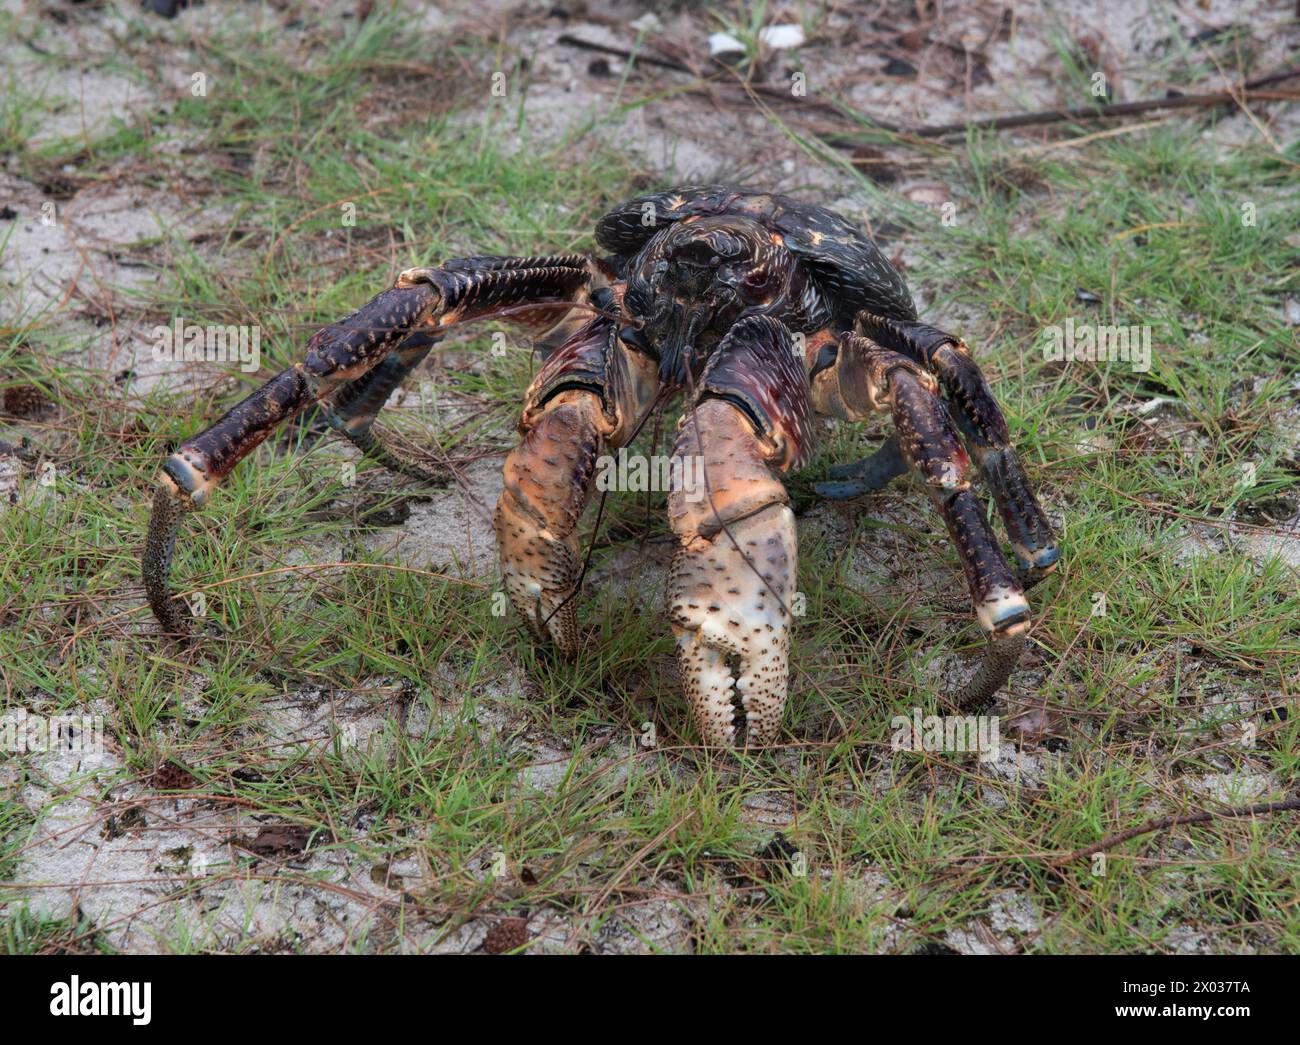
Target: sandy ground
[(128, 861)]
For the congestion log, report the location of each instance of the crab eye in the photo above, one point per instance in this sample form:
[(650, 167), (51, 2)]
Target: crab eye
[(756, 284)]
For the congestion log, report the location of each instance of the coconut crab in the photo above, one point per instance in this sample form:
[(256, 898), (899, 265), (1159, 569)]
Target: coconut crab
[(763, 312)]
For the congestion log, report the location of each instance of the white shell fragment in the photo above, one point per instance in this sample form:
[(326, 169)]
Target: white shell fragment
[(773, 37), (647, 23), (724, 43), (783, 37)]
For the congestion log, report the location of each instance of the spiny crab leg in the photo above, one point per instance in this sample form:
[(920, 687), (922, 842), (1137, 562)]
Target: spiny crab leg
[(732, 584), (354, 407), (877, 378), (337, 356), (980, 421)]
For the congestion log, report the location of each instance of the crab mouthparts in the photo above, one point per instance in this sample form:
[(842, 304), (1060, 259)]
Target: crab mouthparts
[(678, 349)]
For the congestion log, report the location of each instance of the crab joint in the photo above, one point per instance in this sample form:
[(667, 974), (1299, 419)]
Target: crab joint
[(187, 474)]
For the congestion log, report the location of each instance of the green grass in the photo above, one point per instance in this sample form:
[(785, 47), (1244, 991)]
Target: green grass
[(899, 850)]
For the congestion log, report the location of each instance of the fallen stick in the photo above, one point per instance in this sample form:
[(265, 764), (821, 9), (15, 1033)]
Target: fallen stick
[(1107, 112), (621, 52), (1163, 824), (767, 90), (1247, 92)]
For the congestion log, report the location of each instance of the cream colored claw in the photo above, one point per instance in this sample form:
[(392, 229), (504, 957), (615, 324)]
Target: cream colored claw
[(732, 621), (732, 582)]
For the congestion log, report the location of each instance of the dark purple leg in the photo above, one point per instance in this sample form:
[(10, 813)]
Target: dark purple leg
[(338, 359), (980, 420), (870, 377)]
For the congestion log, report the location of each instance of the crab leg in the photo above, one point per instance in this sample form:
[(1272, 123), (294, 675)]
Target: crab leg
[(981, 422), (421, 300), (356, 405), (871, 377), (866, 476), (585, 401), (733, 579)]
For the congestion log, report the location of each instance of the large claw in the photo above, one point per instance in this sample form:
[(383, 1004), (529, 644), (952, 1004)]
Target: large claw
[(730, 599), (732, 582), (586, 399)]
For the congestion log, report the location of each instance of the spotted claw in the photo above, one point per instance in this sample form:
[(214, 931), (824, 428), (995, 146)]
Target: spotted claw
[(730, 607)]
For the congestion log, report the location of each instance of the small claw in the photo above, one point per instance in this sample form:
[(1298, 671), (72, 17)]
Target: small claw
[(541, 575), (880, 468), (844, 490), (848, 470), (729, 597), (865, 476), (548, 480)]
